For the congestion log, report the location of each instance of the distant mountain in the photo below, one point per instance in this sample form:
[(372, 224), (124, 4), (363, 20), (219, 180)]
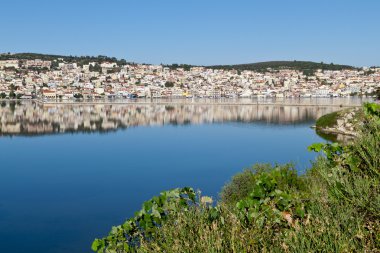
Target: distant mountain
[(298, 65)]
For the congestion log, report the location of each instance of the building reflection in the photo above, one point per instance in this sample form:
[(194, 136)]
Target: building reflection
[(30, 118)]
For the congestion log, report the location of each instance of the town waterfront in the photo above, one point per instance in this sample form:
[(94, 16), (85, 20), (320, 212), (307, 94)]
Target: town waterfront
[(70, 172)]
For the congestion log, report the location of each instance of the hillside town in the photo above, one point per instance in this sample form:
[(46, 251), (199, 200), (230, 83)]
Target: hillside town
[(61, 80)]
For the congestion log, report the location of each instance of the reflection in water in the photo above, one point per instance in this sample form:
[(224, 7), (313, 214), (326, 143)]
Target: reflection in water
[(335, 137), (30, 118)]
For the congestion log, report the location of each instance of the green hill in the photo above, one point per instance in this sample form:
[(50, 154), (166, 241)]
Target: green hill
[(276, 65), (80, 60), (306, 66)]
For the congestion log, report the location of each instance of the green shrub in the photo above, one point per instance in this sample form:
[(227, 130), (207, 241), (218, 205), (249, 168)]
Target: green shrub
[(372, 110), (242, 184), (275, 200)]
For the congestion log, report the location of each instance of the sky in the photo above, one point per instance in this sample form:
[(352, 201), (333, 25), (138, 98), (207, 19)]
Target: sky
[(200, 32)]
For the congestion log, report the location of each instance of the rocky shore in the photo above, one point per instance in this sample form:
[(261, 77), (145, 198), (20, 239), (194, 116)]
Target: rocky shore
[(344, 125)]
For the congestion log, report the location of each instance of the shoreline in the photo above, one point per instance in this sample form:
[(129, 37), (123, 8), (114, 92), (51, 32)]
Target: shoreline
[(336, 131), (344, 123)]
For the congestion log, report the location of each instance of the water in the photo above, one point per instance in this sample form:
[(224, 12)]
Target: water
[(68, 173)]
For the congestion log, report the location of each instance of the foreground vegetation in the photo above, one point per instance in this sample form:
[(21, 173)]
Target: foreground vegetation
[(334, 207)]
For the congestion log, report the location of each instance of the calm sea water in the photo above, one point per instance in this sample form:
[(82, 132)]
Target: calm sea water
[(68, 173)]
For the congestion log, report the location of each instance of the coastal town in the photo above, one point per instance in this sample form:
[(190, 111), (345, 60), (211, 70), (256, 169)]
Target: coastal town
[(61, 80)]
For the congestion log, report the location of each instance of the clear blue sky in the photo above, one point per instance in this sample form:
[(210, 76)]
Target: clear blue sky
[(196, 31)]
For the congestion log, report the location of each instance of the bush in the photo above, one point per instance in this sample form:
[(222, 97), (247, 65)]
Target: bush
[(169, 84), (242, 184), (275, 200)]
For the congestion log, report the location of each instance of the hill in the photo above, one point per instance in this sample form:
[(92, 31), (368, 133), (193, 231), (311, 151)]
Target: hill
[(80, 60), (305, 66), (276, 65)]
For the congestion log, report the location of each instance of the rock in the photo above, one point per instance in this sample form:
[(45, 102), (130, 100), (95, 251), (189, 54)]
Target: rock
[(341, 129), (340, 122)]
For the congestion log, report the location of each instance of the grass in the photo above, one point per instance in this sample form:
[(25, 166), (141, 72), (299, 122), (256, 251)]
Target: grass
[(334, 207), (328, 120)]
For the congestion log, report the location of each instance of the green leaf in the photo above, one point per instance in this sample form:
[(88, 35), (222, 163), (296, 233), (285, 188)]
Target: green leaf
[(316, 147), (240, 205), (97, 245)]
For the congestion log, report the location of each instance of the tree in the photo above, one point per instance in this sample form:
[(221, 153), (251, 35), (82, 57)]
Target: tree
[(3, 95), (378, 94), (308, 72), (54, 65), (12, 94), (169, 84), (95, 68)]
